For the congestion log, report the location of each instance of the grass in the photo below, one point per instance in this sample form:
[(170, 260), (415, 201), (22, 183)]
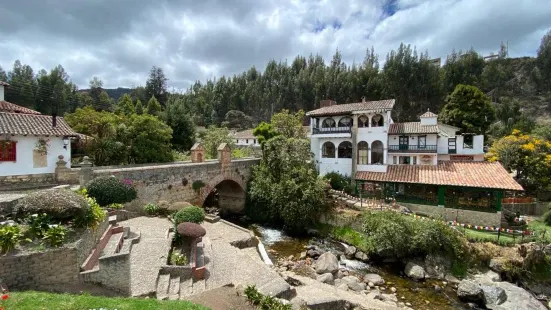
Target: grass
[(348, 235), (31, 300), (539, 227), (488, 236)]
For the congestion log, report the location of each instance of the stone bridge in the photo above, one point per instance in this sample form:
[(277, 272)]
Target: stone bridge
[(185, 181)]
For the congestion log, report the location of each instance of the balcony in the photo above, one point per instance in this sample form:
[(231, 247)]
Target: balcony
[(331, 130), (404, 148)]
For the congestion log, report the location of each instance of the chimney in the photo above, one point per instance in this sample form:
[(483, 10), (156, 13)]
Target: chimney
[(54, 119), (363, 99), (327, 103)]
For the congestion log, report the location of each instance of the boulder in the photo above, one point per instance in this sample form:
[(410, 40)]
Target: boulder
[(314, 253), (326, 278), (305, 270), (302, 255), (470, 291), (436, 266), (327, 262), (361, 256), (389, 298), (343, 286), (163, 204), (298, 303), (497, 264), (350, 251), (414, 271), (175, 206), (493, 295), (373, 278), (451, 279)]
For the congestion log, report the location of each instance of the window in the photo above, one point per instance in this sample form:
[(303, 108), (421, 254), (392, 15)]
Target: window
[(422, 142), (328, 123), (254, 141), (363, 121), (345, 149), (328, 150), (377, 120), (404, 160), (362, 153), (467, 141), (394, 160), (236, 140), (403, 143), (8, 150), (247, 141), (346, 122), (377, 153), (415, 160)]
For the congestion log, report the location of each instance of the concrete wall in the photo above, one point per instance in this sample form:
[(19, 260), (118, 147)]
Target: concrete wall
[(461, 216), (113, 272), (535, 208), (28, 163)]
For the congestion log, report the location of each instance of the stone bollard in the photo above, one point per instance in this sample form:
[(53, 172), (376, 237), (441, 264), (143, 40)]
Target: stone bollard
[(86, 171), (61, 167)]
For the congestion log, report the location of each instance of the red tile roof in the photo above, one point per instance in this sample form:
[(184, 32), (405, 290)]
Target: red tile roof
[(33, 124), (411, 128), (245, 134), (2, 83), (428, 114), (14, 108), (466, 174), (350, 107)]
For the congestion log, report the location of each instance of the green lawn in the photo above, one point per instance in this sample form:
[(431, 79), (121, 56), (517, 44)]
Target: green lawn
[(539, 227), (487, 236), (31, 300)]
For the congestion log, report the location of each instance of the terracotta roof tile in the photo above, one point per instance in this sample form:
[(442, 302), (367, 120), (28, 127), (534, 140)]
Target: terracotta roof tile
[(411, 128), (32, 124), (468, 174), (14, 108), (350, 107), (245, 134), (4, 83), (428, 114)]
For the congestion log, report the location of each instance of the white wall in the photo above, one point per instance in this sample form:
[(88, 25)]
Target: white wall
[(326, 165), (476, 157), (432, 139), (1, 92), (478, 145), (24, 160), (429, 121), (251, 141)]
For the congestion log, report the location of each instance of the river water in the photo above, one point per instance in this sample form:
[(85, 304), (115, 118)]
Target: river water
[(421, 295)]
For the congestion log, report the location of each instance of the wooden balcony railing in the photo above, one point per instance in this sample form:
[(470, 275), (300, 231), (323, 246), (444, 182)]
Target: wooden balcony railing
[(320, 131), (412, 148)]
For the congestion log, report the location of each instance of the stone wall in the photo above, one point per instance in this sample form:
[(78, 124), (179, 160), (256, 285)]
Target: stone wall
[(461, 216), (113, 272), (534, 208), (38, 269), (342, 219), (27, 180)]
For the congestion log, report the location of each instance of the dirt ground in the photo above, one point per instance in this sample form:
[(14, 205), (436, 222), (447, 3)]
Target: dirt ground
[(223, 298)]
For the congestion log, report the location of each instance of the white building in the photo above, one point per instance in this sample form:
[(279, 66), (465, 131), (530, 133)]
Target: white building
[(362, 136), (31, 143), (245, 138)]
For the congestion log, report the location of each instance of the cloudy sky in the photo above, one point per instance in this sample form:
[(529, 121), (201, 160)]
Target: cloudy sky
[(119, 40)]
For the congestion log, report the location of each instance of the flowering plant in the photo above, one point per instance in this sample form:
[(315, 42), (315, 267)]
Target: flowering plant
[(42, 146), (3, 299)]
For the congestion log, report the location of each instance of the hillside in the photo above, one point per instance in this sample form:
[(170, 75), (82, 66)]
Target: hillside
[(114, 93)]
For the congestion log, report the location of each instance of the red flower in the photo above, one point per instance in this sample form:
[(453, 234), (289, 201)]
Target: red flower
[(5, 296)]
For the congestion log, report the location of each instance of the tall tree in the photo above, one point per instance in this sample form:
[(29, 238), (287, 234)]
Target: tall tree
[(23, 85), (139, 107), (462, 68), (469, 109), (183, 129), (289, 124), (125, 106), (543, 62), (214, 136), (156, 85), (153, 106)]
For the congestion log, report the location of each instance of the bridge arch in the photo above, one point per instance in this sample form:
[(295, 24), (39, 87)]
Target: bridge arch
[(230, 188)]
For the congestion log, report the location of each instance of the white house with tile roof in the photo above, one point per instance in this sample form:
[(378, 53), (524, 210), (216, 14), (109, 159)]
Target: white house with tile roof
[(30, 143)]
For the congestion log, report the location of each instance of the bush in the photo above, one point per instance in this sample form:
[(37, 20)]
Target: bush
[(151, 209), (59, 204), (547, 218), (109, 190), (178, 259), (191, 214), (197, 185), (264, 302), (93, 217), (9, 237), (38, 224), (55, 235), (338, 181)]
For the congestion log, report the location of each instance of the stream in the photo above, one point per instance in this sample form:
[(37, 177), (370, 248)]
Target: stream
[(421, 295)]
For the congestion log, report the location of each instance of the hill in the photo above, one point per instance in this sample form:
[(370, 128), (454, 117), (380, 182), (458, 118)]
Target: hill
[(114, 93)]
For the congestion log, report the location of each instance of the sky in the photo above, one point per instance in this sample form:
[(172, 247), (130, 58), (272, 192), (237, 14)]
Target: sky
[(120, 40)]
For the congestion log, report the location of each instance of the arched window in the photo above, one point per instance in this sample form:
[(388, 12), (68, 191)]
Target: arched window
[(328, 150), (363, 121), (377, 152), (362, 153), (345, 149), (328, 123), (346, 122), (377, 120)]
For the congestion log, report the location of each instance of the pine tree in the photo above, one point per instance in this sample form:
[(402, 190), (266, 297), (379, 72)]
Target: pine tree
[(139, 107), (153, 106)]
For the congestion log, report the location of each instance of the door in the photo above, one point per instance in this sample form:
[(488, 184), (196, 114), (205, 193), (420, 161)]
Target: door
[(451, 146), (403, 143)]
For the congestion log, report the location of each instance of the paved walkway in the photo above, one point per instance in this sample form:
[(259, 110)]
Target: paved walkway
[(149, 254)]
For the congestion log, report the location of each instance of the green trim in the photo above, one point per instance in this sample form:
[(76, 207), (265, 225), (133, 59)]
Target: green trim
[(499, 198), (356, 188), (441, 195)]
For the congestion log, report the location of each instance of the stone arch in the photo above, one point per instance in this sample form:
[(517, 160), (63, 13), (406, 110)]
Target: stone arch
[(377, 120), (231, 188), (363, 121)]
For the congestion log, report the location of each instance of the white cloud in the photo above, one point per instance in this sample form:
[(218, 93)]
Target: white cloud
[(119, 41)]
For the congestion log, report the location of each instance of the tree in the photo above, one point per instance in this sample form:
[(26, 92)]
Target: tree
[(149, 139), (153, 106), (214, 136), (23, 85), (509, 116), (289, 124), (469, 109), (264, 132), (156, 85), (543, 132), (139, 107), (183, 129), (529, 157), (285, 187), (543, 62), (462, 68), (238, 119), (104, 102), (3, 75), (125, 106)]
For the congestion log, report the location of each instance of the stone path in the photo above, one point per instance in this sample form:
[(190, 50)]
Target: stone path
[(149, 254)]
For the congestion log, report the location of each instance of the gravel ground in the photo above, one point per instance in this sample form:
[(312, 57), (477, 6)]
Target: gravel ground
[(149, 254)]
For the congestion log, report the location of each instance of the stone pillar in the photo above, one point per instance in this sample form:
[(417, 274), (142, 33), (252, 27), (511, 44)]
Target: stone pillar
[(60, 169), (385, 155), (354, 146), (224, 155), (197, 153), (86, 172)]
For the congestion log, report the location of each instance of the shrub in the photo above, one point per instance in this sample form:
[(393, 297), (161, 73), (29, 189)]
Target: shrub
[(151, 209), (264, 302), (38, 224), (197, 185), (109, 190), (93, 217), (191, 214), (9, 237), (55, 235), (547, 218), (59, 204), (115, 206), (338, 181), (178, 259)]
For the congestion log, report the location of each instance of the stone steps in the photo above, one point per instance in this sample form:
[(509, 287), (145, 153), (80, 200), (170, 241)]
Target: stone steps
[(186, 288), (163, 284), (174, 288), (114, 244)]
